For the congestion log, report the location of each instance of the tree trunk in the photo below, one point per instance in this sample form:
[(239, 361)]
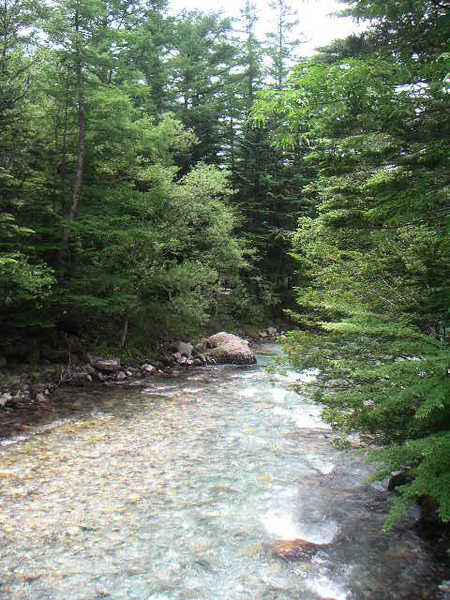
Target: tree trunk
[(123, 338), (5, 38), (232, 144), (71, 213), (64, 150)]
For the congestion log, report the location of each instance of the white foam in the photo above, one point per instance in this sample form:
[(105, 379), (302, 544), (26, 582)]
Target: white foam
[(323, 532), (305, 417), (326, 588), (324, 467), (278, 395), (309, 375), (281, 526), (249, 392), (309, 417)]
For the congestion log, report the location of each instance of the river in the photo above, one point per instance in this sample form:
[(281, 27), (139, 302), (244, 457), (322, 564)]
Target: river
[(184, 487)]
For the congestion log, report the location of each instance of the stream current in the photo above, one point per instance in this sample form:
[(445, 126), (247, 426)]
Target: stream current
[(183, 488)]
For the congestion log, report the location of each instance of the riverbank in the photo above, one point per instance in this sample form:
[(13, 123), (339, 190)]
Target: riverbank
[(216, 483), (30, 387), (39, 406)]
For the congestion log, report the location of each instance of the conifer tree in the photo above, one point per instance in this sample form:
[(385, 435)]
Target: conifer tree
[(267, 179), (101, 233), (198, 72), (373, 257), (282, 47), (25, 279)]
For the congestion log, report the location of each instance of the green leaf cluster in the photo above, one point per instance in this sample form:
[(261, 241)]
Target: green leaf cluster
[(373, 256)]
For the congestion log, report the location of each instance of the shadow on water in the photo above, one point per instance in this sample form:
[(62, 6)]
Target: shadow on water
[(219, 484)]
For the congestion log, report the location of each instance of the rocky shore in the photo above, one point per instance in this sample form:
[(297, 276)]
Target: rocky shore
[(83, 370)]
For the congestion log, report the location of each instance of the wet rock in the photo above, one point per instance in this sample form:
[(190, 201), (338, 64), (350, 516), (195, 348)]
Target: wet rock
[(230, 349), (185, 349), (80, 378), (148, 369), (263, 334), (102, 592), (398, 478), (121, 376), (130, 373), (5, 398), (41, 398), (107, 365), (38, 388), (272, 331), (28, 577), (89, 369), (295, 549), (202, 346)]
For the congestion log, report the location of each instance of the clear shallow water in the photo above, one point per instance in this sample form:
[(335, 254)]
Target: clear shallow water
[(180, 489)]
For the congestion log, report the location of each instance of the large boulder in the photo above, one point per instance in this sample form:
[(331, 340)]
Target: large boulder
[(226, 348), (297, 549), (185, 349), (182, 348), (107, 365)]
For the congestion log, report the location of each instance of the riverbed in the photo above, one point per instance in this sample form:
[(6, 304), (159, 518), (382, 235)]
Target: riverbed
[(184, 487)]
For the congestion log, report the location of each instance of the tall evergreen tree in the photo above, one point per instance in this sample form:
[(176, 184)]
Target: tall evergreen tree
[(198, 72), (374, 256), (281, 44), (148, 48), (99, 228), (25, 280), (268, 179)]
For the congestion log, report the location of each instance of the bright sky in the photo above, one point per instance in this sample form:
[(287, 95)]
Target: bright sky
[(316, 23)]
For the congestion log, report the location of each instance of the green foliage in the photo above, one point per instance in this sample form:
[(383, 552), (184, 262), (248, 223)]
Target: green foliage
[(281, 46), (373, 254), (390, 381), (267, 179), (148, 238), (155, 251), (198, 78)]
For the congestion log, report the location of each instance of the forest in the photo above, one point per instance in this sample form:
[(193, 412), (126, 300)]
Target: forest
[(165, 175)]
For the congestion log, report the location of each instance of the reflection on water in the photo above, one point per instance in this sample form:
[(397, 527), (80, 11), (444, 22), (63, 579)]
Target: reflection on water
[(177, 490)]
